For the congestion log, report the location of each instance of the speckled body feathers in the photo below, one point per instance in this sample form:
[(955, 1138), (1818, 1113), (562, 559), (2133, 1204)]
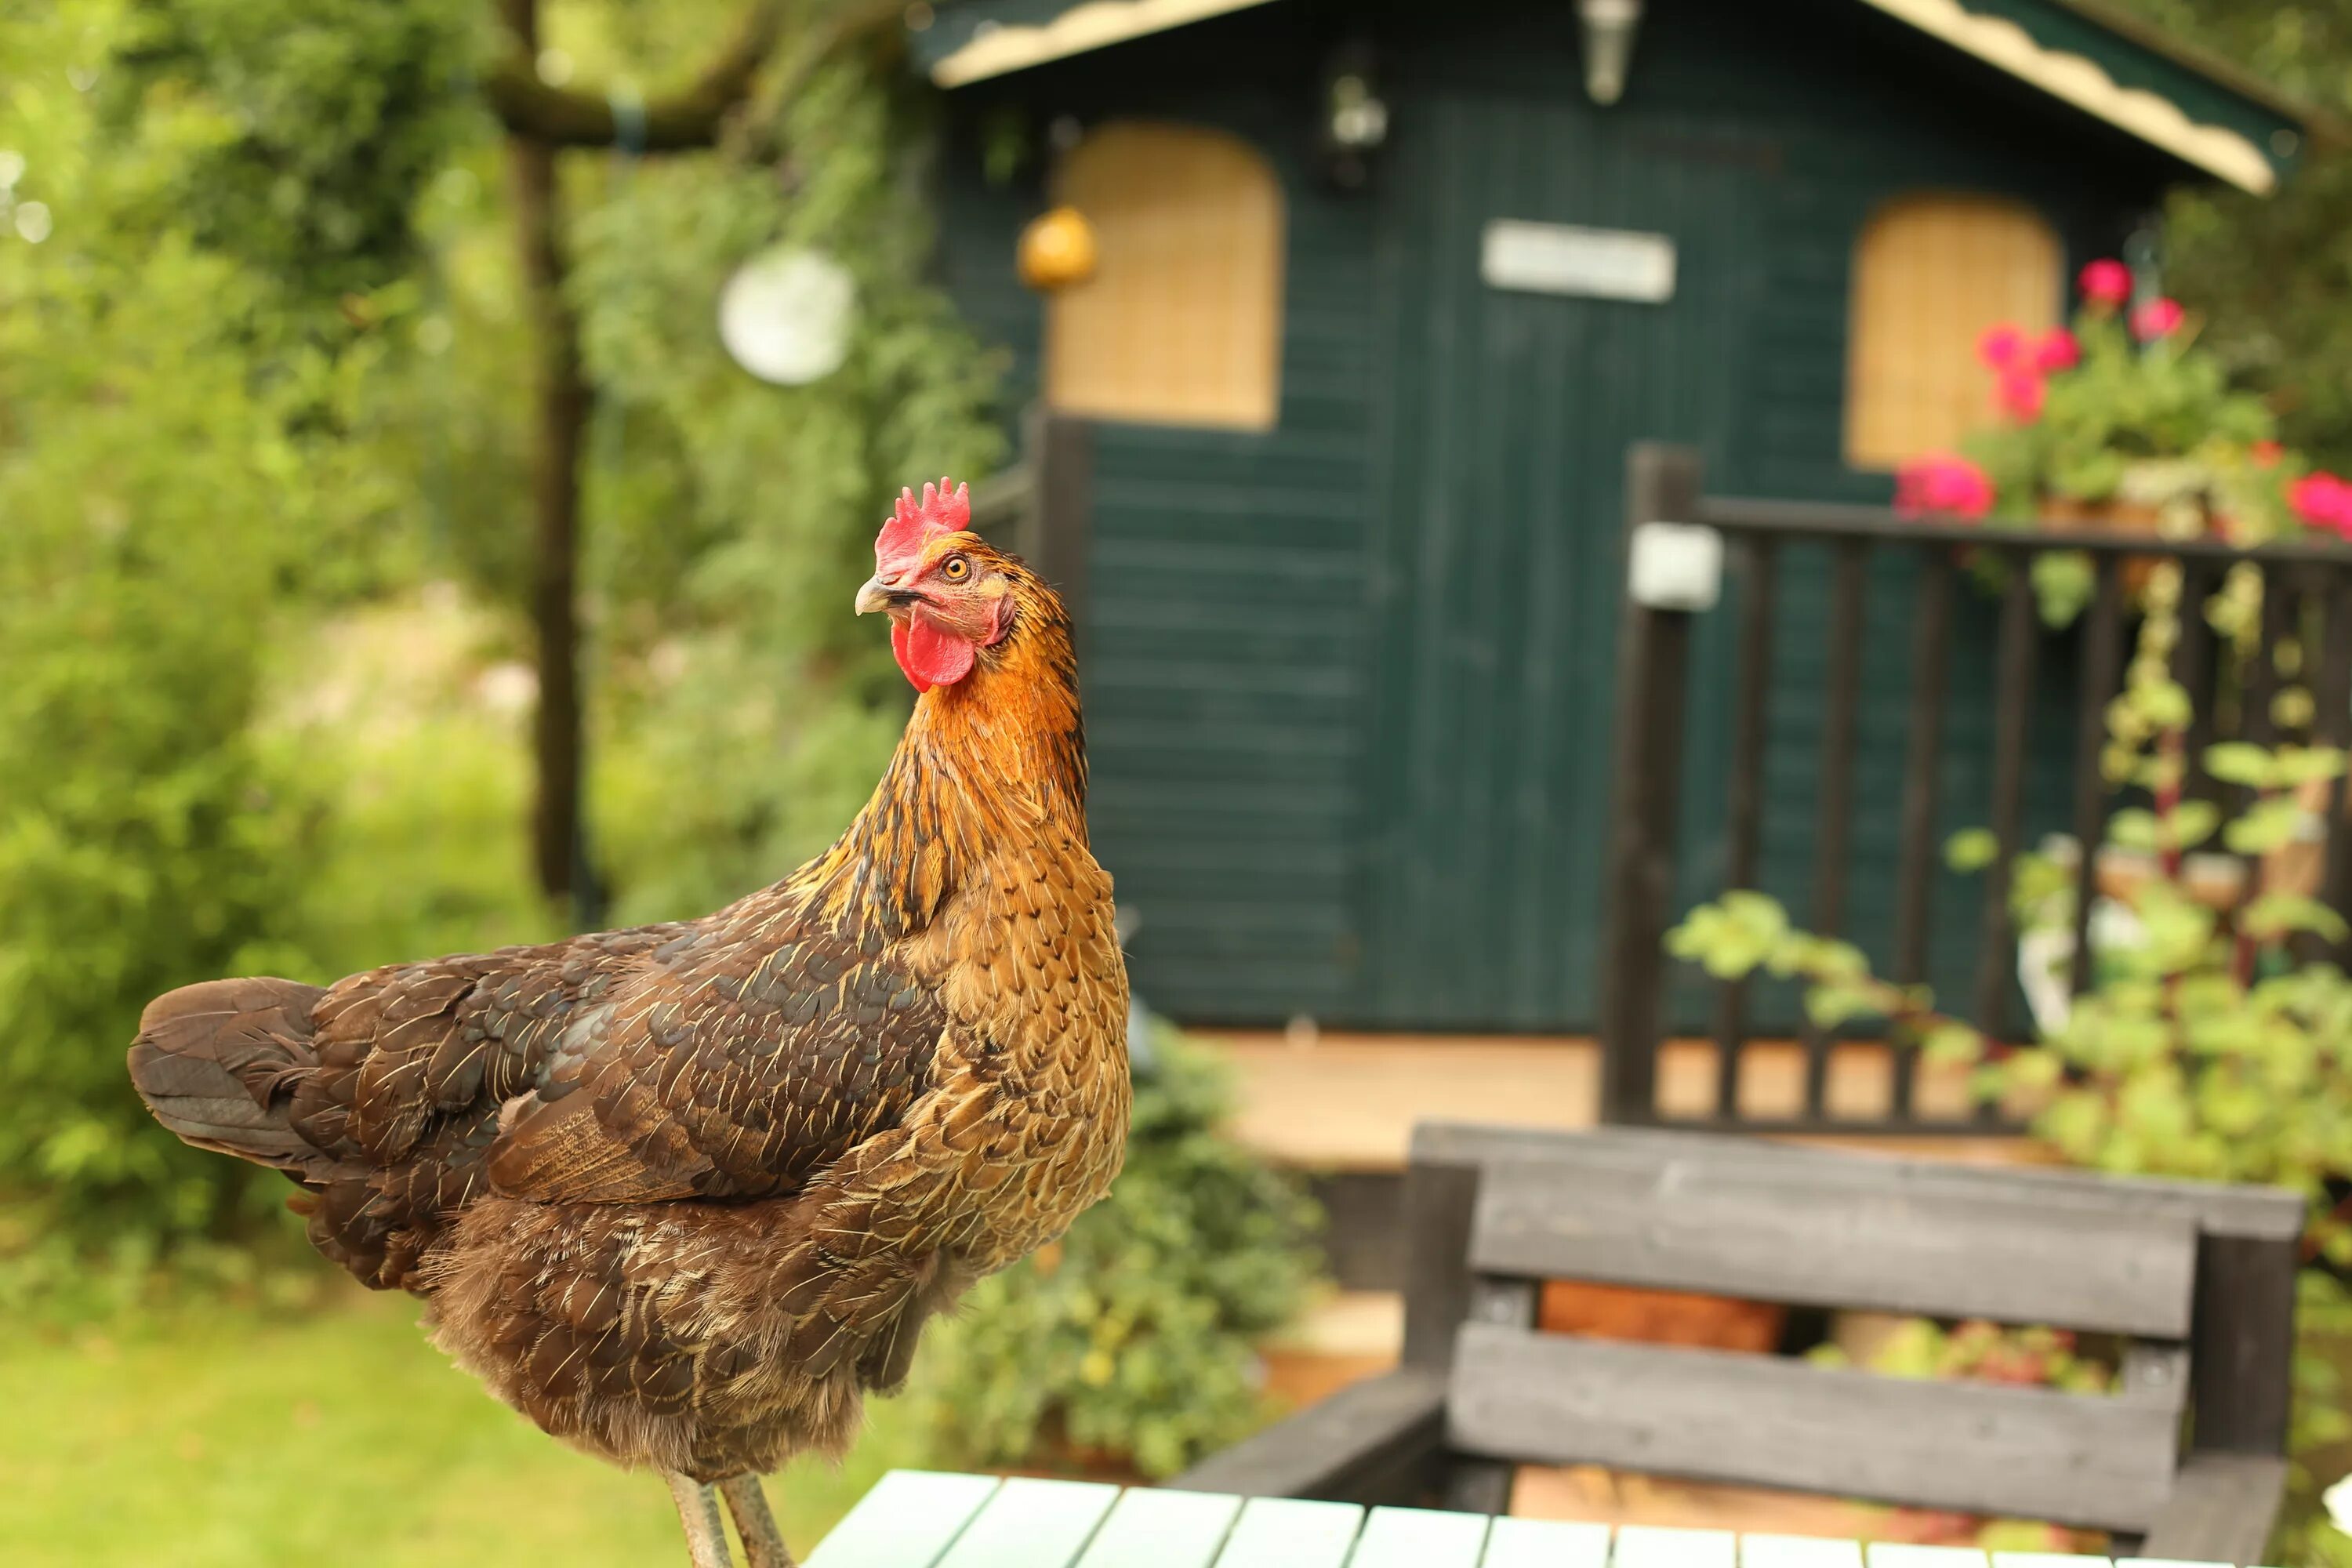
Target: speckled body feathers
[(683, 1194)]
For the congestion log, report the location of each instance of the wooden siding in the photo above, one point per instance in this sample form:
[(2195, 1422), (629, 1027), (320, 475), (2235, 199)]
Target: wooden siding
[(1349, 681)]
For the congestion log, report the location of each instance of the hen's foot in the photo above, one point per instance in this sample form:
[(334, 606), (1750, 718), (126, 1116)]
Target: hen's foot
[(698, 1510), (764, 1544)]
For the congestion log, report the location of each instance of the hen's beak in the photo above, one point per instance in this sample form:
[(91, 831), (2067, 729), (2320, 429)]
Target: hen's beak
[(873, 596)]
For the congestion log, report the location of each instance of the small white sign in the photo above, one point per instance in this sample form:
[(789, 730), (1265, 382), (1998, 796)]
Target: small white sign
[(1676, 566), (1561, 258)]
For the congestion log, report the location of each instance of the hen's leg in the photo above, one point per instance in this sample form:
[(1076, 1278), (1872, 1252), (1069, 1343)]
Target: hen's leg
[(698, 1510), (764, 1544)]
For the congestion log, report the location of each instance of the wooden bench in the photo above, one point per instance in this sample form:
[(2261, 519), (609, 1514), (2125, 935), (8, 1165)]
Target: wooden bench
[(2184, 1460), (916, 1519)]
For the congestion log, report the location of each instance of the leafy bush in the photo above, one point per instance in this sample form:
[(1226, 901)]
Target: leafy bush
[(2210, 1046), (749, 712), (1133, 1339)]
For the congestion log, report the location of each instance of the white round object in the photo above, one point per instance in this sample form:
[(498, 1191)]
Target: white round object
[(785, 315)]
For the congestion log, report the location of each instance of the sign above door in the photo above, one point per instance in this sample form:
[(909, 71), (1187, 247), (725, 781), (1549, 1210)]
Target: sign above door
[(1591, 263)]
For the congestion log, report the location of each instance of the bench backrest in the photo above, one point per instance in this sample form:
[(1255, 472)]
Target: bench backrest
[(2163, 1265)]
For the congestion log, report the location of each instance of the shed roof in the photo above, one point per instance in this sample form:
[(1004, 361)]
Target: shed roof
[(2208, 114)]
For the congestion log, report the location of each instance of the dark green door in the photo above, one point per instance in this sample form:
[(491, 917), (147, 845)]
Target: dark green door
[(1496, 592)]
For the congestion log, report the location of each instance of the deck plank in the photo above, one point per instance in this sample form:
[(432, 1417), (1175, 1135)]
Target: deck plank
[(1290, 1532), (905, 1522), (1156, 1528), (1420, 1538), (1764, 1551), (1031, 1523), (1546, 1543)]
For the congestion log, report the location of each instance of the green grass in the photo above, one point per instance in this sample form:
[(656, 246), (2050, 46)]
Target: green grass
[(336, 1436)]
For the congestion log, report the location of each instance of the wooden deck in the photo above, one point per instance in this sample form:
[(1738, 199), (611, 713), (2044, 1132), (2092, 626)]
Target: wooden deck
[(1340, 1102), (919, 1519)]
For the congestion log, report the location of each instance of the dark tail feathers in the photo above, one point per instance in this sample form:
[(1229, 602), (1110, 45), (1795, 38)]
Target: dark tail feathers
[(217, 1064)]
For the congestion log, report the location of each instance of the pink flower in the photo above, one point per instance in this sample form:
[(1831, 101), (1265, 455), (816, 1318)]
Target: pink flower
[(2156, 318), (1941, 482), (2266, 454), (2106, 283), (2001, 348), (2021, 394), (2323, 502), (2058, 350)]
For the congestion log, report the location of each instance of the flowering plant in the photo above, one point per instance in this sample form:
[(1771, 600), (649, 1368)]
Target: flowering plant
[(2120, 420)]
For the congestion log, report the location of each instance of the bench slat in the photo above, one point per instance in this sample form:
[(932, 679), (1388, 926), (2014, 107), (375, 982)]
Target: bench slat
[(1767, 1421), (1803, 1231), (2269, 1213), (905, 1522)]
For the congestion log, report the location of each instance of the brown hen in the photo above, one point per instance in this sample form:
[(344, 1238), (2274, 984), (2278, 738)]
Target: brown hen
[(682, 1194)]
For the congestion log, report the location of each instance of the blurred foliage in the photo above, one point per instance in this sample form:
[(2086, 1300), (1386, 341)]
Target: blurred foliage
[(2214, 1042), (2271, 273), (732, 520), (261, 457), (1132, 1341), (303, 129), (159, 505)]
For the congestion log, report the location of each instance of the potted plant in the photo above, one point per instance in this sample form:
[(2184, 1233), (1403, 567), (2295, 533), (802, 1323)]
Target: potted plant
[(2119, 421)]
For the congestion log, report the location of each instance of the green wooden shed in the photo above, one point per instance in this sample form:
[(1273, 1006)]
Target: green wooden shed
[(1378, 295)]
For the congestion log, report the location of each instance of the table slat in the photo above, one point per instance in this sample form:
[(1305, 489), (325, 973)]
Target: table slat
[(1546, 1543), (1031, 1523), (2046, 1559), (1797, 1551), (1655, 1546), (906, 1521), (1420, 1538), (1162, 1530), (1291, 1532)]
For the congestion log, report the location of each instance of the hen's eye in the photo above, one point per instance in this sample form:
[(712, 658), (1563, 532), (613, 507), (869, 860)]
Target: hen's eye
[(955, 569)]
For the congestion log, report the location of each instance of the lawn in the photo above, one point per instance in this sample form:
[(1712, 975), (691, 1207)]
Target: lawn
[(242, 1439)]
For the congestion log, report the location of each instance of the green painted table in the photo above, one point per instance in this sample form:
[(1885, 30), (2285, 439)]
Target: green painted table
[(918, 1518)]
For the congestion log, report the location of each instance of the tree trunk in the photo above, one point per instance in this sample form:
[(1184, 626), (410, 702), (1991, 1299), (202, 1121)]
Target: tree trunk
[(561, 418), (563, 398)]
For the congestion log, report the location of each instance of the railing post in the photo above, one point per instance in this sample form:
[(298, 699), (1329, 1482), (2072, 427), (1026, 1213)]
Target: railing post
[(1663, 484), (1057, 537)]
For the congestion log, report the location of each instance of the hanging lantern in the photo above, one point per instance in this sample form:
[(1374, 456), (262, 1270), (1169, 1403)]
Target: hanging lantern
[(1057, 250), (1609, 26)]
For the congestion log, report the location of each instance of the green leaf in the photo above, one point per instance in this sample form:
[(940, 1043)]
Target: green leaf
[(2308, 764), (2274, 914), (2193, 822), (1952, 1045), (2134, 828), (2268, 825), (1971, 849), (2235, 762)]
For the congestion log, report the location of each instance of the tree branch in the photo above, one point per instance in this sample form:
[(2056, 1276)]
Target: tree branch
[(689, 117)]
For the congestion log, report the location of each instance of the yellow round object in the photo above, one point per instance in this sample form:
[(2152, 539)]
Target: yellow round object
[(1057, 249)]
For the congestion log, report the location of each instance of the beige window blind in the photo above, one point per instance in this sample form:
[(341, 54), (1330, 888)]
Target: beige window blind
[(1182, 323), (1930, 274)]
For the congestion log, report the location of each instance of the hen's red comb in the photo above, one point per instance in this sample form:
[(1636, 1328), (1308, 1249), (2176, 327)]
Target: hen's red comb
[(916, 523)]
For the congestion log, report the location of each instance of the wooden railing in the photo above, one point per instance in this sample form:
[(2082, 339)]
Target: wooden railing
[(2307, 598), (1040, 507)]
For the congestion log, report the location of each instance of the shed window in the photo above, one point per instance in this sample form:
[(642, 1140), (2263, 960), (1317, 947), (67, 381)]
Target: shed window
[(1930, 274), (1181, 323)]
